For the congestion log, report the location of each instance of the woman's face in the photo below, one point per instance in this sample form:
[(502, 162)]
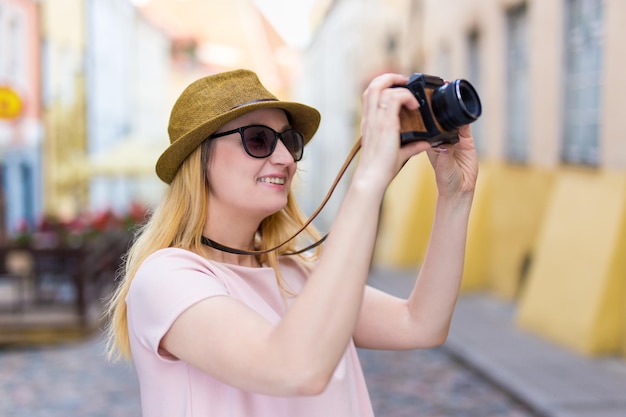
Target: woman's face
[(241, 185)]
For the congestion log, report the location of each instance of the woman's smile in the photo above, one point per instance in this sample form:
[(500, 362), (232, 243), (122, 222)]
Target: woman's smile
[(272, 180)]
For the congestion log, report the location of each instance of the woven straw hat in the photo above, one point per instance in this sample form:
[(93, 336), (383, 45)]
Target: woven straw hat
[(210, 102)]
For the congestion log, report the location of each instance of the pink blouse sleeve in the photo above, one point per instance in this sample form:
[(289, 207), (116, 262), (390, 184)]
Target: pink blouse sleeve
[(166, 284)]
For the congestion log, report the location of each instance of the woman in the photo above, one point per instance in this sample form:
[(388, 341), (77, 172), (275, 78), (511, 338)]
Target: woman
[(217, 332)]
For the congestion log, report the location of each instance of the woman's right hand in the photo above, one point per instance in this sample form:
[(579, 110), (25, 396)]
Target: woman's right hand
[(381, 154)]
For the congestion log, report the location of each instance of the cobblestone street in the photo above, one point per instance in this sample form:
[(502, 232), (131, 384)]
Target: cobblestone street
[(75, 380), (430, 383)]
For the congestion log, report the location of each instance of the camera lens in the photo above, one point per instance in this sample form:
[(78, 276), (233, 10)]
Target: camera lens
[(456, 104)]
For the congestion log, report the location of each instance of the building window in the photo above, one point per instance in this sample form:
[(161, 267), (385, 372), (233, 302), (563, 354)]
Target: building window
[(517, 88), (582, 81), (12, 52), (474, 77)]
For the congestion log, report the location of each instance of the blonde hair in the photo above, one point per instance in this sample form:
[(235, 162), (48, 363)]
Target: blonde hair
[(178, 222)]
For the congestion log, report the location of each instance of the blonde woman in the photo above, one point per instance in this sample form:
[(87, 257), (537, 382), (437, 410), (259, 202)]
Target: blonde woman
[(215, 331)]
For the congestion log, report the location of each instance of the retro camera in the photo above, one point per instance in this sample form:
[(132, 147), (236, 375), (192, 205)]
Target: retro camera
[(444, 108)]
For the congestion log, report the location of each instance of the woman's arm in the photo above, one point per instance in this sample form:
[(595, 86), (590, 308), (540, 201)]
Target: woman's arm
[(423, 319), (299, 355)]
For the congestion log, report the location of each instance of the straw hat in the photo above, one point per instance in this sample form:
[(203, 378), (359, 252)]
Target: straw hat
[(210, 102)]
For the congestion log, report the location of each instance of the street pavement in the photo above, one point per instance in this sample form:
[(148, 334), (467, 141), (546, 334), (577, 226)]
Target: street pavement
[(549, 379), (66, 380), (75, 380), (463, 378)]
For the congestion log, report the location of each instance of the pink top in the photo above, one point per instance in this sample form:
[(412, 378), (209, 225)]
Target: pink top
[(170, 281)]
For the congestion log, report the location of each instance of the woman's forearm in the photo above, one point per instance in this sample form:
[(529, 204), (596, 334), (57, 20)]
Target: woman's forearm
[(321, 321), (432, 300)]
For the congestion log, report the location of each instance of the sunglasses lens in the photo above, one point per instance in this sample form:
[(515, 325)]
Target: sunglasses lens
[(258, 141), (294, 142)]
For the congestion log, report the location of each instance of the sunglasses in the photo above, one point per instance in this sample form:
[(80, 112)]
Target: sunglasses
[(260, 141)]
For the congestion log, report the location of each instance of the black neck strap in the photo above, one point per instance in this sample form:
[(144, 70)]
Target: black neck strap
[(213, 244)]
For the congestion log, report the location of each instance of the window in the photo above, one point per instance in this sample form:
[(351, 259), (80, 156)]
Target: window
[(517, 88), (582, 81)]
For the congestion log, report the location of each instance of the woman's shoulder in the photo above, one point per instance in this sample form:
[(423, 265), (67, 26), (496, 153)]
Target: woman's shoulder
[(169, 260), (173, 254), (175, 268)]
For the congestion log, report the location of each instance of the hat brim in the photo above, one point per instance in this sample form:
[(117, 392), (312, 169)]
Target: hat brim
[(303, 118)]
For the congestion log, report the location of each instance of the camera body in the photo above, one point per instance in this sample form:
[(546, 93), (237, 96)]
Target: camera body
[(443, 109)]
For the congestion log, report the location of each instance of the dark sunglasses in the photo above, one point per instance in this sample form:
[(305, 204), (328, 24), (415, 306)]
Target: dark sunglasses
[(260, 141)]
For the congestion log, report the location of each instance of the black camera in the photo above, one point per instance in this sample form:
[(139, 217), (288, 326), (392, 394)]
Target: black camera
[(444, 107)]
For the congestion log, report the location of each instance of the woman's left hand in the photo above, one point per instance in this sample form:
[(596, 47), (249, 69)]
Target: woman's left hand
[(456, 166)]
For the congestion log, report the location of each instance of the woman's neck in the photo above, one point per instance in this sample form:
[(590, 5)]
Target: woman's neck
[(230, 258), (236, 236)]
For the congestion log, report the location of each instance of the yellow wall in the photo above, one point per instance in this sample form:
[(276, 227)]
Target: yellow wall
[(576, 290), (407, 215), (504, 222), (518, 199), (570, 223)]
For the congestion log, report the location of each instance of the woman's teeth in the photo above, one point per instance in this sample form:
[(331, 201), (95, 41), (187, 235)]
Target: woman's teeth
[(280, 181)]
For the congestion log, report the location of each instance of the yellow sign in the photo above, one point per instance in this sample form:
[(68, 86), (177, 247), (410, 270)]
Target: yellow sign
[(10, 103)]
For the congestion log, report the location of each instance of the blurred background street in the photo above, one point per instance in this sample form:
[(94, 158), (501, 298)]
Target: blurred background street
[(485, 369), (75, 380)]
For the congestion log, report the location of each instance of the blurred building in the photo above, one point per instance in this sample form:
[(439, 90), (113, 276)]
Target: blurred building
[(21, 130), (82, 109), (86, 87), (128, 75), (210, 37), (354, 41), (64, 106), (548, 227), (214, 36)]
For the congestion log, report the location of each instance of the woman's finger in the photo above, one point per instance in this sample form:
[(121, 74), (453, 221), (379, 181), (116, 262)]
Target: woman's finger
[(372, 94)]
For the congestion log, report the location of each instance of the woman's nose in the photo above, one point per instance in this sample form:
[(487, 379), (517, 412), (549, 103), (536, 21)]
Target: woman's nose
[(281, 154)]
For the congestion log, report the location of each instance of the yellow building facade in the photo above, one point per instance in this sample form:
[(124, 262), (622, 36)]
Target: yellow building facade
[(548, 228), (64, 106)]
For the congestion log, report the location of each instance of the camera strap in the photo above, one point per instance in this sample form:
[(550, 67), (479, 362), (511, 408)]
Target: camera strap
[(215, 245)]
